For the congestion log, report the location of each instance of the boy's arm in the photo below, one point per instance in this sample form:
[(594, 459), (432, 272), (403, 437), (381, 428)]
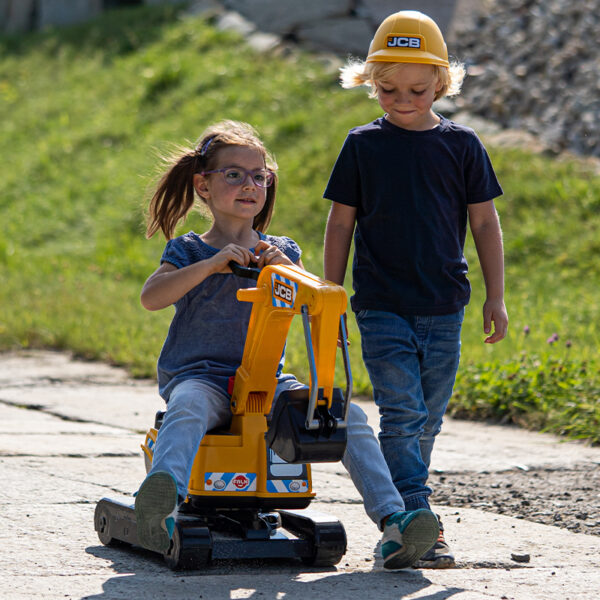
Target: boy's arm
[(338, 237), (485, 227)]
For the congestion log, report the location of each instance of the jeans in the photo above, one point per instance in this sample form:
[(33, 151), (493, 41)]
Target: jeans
[(196, 406), (412, 363)]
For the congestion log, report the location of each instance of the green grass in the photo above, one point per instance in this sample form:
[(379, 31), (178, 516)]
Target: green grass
[(87, 110)]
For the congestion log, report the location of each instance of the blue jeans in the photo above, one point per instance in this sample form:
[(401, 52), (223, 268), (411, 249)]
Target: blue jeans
[(196, 406), (412, 363)]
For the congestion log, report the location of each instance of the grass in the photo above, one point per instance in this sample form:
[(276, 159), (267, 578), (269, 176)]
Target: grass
[(87, 110)]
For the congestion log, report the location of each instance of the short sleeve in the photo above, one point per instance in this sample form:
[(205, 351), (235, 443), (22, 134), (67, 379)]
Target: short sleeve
[(344, 182), (480, 179), (173, 254), (184, 250), (287, 245)]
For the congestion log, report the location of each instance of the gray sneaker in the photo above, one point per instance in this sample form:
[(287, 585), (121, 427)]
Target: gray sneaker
[(439, 556), (407, 535), (155, 511)]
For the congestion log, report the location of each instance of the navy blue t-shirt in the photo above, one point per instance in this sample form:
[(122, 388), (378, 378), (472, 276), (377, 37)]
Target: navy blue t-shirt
[(411, 190)]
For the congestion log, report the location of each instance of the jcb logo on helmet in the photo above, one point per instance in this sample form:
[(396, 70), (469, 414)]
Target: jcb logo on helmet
[(402, 41)]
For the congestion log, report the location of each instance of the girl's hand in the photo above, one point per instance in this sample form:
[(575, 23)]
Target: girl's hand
[(231, 252), (495, 312), (270, 255)]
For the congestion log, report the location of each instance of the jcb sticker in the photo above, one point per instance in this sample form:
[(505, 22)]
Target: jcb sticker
[(403, 41), (284, 291)]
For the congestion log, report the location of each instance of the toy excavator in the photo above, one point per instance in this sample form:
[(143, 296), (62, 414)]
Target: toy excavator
[(251, 484)]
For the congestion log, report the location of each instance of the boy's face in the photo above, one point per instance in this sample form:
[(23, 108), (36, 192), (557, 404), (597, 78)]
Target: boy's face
[(406, 95)]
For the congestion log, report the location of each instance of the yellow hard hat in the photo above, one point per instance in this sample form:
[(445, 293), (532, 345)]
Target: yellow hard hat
[(409, 36)]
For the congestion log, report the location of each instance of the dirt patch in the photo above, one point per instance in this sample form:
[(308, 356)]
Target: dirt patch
[(567, 498)]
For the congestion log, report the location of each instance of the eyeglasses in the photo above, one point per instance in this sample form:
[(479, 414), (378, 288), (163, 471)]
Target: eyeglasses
[(262, 178)]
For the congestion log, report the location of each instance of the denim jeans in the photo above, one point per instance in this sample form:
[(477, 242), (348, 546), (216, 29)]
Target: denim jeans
[(196, 406), (412, 363)]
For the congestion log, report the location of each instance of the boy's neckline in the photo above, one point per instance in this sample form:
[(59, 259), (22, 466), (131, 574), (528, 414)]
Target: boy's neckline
[(433, 129)]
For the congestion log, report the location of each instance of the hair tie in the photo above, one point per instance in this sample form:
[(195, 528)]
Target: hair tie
[(206, 145)]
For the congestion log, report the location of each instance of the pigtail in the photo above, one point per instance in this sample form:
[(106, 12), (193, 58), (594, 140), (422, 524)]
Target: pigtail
[(174, 195)]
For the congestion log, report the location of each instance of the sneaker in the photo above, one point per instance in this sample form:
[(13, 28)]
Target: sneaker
[(155, 511), (407, 535), (439, 556)]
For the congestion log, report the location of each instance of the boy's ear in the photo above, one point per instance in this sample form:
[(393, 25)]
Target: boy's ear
[(200, 186)]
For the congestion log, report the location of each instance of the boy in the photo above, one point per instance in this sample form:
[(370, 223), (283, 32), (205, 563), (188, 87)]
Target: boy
[(405, 184)]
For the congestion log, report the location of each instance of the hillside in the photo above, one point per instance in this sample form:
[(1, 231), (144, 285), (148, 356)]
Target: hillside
[(87, 110)]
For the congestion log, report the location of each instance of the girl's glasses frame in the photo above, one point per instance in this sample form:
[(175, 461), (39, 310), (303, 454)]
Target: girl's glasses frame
[(262, 178)]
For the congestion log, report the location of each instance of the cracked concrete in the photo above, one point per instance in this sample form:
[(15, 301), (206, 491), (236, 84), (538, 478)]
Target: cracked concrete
[(70, 434)]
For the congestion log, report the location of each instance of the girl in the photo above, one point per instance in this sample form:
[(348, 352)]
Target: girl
[(235, 177)]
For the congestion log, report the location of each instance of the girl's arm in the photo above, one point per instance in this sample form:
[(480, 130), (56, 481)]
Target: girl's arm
[(338, 237), (485, 227), (168, 283)]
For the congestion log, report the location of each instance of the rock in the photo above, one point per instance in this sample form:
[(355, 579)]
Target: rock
[(283, 16), (16, 16), (344, 35), (520, 558), (66, 12)]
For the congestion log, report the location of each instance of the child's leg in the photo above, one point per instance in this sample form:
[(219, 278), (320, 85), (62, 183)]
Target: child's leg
[(363, 461), (390, 347), (194, 407), (439, 364), (406, 535), (368, 470), (438, 371)]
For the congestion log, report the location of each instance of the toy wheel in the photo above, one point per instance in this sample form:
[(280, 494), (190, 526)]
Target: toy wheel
[(103, 528), (329, 545), (190, 548)]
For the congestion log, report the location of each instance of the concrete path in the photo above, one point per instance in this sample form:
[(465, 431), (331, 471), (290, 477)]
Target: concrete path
[(70, 434)]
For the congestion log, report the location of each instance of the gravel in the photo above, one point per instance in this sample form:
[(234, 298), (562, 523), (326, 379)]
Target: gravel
[(567, 498)]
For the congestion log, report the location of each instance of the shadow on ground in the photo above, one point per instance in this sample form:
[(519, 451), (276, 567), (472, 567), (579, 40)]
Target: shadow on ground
[(144, 574)]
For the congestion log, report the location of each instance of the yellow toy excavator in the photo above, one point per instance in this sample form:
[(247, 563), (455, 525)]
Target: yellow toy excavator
[(251, 484)]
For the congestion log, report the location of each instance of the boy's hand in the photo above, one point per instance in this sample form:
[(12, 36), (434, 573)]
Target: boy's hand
[(494, 311)]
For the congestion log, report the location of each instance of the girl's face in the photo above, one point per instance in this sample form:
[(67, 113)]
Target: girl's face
[(226, 201), (406, 95)]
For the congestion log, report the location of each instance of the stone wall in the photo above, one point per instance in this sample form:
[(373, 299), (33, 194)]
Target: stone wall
[(25, 15), (534, 65), (339, 25)]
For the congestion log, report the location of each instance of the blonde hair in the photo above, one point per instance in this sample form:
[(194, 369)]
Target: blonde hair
[(358, 72), (175, 193)]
